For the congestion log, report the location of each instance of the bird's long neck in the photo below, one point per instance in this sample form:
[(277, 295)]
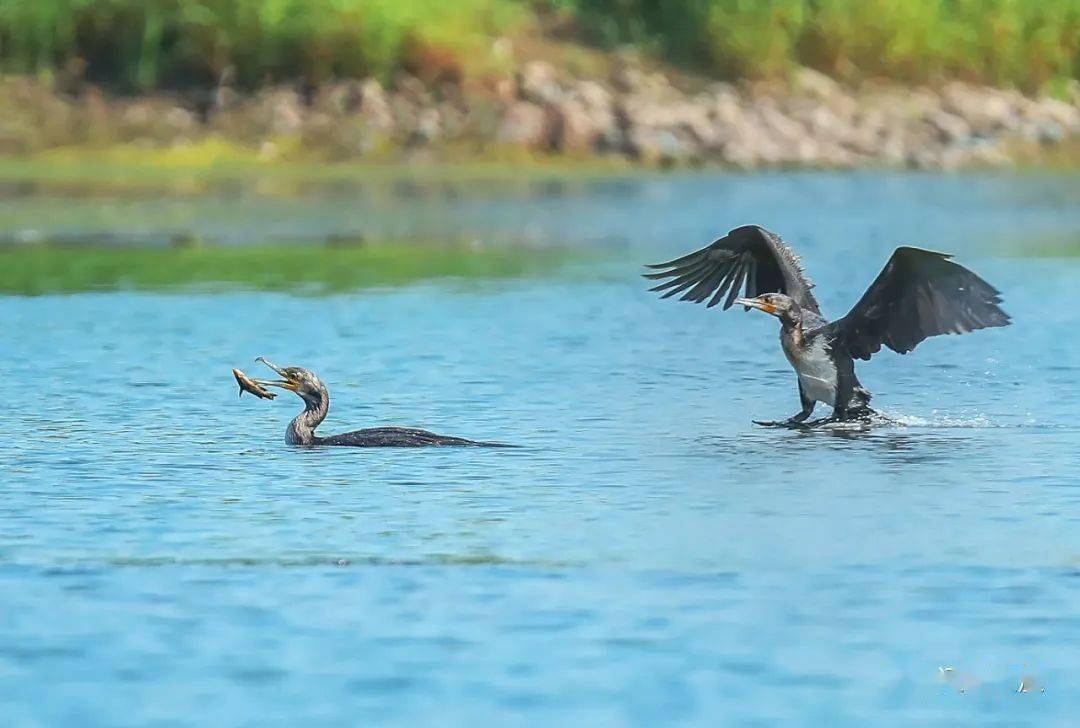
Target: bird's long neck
[(302, 429), (791, 332)]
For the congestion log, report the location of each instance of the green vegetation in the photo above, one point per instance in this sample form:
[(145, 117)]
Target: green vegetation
[(140, 44), (1022, 42), (133, 44), (41, 269)]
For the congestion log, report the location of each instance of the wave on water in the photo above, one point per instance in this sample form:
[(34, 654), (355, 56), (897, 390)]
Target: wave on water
[(883, 420), (940, 421), (972, 422)]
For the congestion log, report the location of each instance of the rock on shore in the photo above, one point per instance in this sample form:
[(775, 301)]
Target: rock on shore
[(811, 121)]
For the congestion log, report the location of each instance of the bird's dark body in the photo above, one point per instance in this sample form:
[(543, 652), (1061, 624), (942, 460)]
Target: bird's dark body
[(919, 293), (398, 437), (301, 430)]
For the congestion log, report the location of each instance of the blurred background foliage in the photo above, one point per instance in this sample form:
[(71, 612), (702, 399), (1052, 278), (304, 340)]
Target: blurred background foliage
[(142, 44), (1022, 42), (137, 44)]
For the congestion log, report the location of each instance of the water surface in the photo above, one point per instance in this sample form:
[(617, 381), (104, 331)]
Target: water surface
[(647, 556)]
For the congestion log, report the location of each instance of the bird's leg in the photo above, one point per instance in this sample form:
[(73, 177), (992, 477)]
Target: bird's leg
[(862, 414), (839, 414), (841, 410), (795, 422), (858, 405)]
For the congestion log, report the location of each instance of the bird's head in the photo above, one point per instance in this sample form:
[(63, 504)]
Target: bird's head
[(302, 381), (781, 306)]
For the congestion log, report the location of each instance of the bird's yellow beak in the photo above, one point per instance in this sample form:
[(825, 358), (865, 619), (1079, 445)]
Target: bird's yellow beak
[(756, 303)]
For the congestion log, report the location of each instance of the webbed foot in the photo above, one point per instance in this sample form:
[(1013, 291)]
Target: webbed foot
[(791, 423), (862, 414)]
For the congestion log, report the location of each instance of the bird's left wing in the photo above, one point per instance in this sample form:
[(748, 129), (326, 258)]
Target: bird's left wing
[(917, 295), (749, 253)]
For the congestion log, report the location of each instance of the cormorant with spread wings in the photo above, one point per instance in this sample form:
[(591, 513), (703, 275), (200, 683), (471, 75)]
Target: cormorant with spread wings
[(918, 294)]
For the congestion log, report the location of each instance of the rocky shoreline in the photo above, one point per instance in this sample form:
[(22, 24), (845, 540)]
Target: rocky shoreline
[(635, 114)]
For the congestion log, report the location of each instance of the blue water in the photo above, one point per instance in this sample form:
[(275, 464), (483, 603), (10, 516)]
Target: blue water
[(647, 557)]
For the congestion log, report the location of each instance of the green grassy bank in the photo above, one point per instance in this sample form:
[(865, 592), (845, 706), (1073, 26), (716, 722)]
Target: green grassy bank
[(306, 269)]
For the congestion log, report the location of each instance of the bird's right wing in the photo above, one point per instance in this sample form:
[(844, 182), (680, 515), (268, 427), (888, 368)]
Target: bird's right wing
[(919, 293), (749, 253)]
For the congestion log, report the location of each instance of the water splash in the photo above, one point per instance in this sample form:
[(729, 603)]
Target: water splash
[(941, 421)]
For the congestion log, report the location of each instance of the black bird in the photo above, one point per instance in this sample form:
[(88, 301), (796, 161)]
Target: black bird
[(919, 294), (316, 398)]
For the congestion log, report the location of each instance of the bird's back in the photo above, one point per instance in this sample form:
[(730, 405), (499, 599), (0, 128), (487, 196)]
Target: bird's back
[(398, 437)]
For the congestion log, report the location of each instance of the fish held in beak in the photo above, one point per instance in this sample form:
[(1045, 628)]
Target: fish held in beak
[(249, 385)]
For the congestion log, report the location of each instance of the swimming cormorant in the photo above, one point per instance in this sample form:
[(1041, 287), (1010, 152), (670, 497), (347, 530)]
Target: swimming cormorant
[(918, 294), (306, 385)]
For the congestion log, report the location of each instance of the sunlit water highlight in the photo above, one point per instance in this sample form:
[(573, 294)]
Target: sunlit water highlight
[(646, 557)]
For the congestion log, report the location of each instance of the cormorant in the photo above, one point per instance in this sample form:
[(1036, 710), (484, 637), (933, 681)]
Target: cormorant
[(316, 398), (918, 294)]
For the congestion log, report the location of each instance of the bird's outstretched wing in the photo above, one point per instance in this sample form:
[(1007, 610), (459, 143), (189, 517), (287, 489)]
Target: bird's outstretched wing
[(749, 253), (917, 295)]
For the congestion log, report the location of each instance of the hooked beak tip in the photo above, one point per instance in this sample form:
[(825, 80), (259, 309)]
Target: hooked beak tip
[(272, 365), (288, 381)]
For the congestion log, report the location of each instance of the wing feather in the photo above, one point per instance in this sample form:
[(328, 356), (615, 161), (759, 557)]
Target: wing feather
[(681, 274), (686, 281), (918, 294), (736, 284), (706, 283), (749, 253), (719, 282)]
